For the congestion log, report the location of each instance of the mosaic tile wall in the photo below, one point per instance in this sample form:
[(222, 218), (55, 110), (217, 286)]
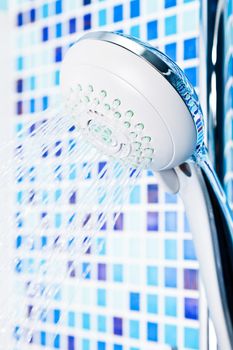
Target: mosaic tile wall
[(142, 290), (228, 99)]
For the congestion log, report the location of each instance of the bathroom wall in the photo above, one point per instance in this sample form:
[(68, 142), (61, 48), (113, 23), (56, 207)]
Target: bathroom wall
[(142, 292)]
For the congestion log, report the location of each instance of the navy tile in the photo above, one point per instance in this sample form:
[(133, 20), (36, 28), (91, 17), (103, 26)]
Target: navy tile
[(191, 309), (45, 34), (32, 15), (71, 342), (20, 19), (72, 25), (58, 54), (117, 326), (19, 85), (87, 21)]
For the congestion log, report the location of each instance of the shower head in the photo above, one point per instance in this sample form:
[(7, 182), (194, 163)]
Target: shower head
[(131, 101)]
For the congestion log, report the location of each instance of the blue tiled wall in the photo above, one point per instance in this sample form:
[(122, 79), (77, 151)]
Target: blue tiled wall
[(141, 292)]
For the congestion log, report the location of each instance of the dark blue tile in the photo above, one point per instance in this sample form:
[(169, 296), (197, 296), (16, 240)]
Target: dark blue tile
[(118, 326), (152, 193), (45, 34), (191, 310), (19, 85), (134, 8), (58, 54), (87, 21), (32, 15), (20, 19), (72, 25), (118, 13), (71, 342), (86, 2)]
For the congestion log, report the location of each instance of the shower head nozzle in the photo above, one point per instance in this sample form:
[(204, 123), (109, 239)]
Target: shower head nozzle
[(131, 101)]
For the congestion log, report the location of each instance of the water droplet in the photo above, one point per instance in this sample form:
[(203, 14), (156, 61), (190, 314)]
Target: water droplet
[(116, 103), (117, 115), (127, 124), (139, 126), (29, 337), (148, 151), (146, 138), (129, 114), (133, 135), (147, 161), (96, 101), (103, 93), (90, 88), (86, 99), (107, 107), (136, 145)]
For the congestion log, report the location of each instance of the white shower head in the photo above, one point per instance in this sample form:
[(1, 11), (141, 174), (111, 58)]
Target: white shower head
[(131, 101)]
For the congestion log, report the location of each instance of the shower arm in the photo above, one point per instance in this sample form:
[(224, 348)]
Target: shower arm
[(211, 225)]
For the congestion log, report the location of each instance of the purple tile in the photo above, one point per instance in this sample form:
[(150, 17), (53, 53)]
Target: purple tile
[(102, 272), (190, 279), (117, 326)]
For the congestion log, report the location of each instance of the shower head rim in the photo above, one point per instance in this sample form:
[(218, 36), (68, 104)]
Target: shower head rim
[(166, 67)]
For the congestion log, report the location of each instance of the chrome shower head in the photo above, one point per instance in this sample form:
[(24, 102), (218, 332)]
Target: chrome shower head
[(135, 104), (132, 101)]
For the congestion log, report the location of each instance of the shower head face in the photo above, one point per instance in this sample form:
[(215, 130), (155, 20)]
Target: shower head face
[(131, 101)]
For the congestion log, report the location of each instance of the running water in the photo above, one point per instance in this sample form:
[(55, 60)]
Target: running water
[(52, 162)]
